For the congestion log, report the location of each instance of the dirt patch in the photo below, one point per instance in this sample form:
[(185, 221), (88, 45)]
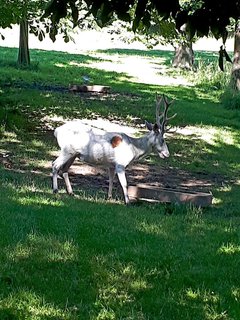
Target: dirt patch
[(93, 179), (84, 176)]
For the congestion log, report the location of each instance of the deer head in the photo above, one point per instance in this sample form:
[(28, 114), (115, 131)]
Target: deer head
[(160, 127)]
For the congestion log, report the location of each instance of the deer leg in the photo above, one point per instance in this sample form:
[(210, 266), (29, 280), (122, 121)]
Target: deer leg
[(65, 169), (120, 170), (111, 177), (56, 166)]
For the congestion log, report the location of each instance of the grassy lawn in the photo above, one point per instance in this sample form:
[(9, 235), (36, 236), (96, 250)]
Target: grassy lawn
[(88, 258)]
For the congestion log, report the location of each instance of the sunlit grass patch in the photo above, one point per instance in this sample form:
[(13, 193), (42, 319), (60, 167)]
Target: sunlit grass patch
[(236, 293), (229, 249), (47, 248), (32, 306), (37, 200), (202, 295), (151, 228), (210, 134)]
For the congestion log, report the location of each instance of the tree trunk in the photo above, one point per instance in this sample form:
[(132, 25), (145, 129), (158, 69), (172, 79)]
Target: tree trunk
[(184, 56), (235, 75), (23, 51)]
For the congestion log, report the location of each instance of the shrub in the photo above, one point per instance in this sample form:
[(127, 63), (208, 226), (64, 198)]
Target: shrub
[(208, 75)]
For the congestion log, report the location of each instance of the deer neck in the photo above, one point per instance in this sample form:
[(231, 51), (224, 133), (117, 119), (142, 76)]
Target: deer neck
[(141, 146)]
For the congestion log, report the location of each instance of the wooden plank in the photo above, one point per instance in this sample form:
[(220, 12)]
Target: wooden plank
[(167, 195), (84, 88)]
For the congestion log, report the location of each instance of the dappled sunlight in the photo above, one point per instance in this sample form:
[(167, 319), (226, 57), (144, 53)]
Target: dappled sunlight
[(60, 65), (29, 200), (150, 72), (236, 293), (12, 136), (217, 200), (101, 260), (52, 248), (152, 228), (227, 194), (229, 249), (29, 193), (208, 301), (215, 153), (118, 285), (20, 251), (76, 64), (211, 135), (27, 156), (202, 295), (38, 153), (31, 304)]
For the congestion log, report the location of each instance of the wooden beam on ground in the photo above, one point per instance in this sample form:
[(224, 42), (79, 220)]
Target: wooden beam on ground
[(167, 195), (84, 88)]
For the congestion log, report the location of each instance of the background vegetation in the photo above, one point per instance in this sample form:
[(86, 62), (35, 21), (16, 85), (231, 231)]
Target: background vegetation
[(86, 258)]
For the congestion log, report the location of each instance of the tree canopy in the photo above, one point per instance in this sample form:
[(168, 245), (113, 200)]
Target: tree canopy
[(201, 16)]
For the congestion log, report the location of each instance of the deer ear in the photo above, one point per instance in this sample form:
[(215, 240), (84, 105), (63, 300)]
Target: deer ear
[(149, 125)]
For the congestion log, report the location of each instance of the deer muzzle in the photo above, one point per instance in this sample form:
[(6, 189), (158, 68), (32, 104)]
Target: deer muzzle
[(164, 154)]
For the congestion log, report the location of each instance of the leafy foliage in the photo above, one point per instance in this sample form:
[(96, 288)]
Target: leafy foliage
[(32, 12), (201, 16)]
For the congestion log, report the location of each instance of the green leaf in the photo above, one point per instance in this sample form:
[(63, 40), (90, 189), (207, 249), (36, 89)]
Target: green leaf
[(165, 8), (66, 38), (181, 19), (41, 36), (139, 12), (146, 19), (125, 16), (74, 13), (53, 33)]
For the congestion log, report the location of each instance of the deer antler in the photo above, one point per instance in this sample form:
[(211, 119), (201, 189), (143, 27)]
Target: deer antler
[(163, 115), (159, 100)]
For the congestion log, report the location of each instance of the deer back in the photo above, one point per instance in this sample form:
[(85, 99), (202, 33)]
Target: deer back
[(93, 145)]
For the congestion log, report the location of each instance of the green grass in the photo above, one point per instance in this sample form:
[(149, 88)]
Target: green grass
[(87, 258), (93, 260)]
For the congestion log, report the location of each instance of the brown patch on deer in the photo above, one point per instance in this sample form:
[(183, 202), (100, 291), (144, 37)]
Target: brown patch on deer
[(115, 141)]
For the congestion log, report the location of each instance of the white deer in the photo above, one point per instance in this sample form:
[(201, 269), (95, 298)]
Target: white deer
[(112, 150)]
